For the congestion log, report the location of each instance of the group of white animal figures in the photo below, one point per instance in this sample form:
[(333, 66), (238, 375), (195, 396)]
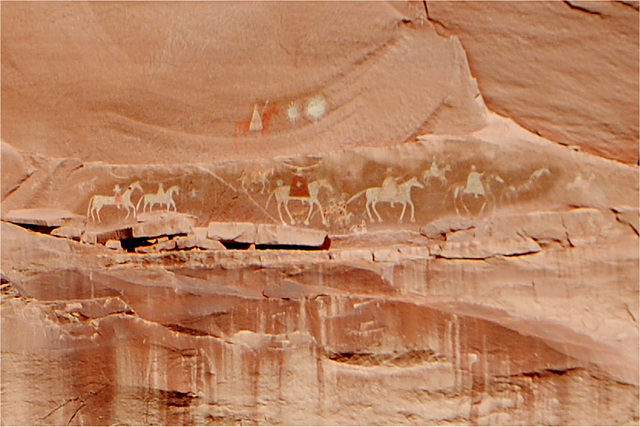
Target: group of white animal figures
[(477, 185), (391, 191), (123, 200)]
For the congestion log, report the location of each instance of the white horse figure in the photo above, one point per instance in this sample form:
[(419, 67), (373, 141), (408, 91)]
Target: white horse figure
[(255, 177), (374, 195), (283, 198), (436, 171), (97, 202), (480, 186), (161, 197), (512, 192)]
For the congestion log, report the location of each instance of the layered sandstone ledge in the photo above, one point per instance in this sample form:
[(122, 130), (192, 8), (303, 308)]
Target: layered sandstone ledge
[(333, 227), (520, 314)]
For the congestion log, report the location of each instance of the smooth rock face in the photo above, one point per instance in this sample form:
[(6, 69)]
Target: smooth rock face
[(309, 213)]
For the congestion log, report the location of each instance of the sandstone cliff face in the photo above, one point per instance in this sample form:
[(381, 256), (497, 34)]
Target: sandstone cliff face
[(374, 245)]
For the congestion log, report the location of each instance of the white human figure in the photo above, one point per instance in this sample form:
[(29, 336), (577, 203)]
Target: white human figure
[(474, 183)]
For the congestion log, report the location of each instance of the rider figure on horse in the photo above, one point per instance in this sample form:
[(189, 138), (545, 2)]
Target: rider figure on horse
[(389, 187), (117, 197), (299, 185)]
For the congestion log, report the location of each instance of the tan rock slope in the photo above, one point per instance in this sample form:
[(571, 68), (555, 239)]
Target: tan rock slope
[(304, 213)]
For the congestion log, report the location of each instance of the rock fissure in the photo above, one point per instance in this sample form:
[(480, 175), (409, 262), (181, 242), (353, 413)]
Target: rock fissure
[(17, 186), (574, 6)]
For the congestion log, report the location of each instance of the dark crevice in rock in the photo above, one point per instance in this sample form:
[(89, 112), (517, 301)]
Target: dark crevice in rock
[(131, 244), (236, 245), (51, 412), (632, 4), (622, 220), (43, 229), (76, 413), (429, 18), (17, 186), (172, 398), (549, 371), (326, 245), (409, 358), (581, 8), (185, 330)]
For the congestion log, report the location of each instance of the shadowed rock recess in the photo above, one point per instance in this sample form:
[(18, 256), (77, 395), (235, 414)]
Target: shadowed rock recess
[(340, 213)]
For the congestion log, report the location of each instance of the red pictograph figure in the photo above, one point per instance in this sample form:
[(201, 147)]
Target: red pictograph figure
[(299, 186), (258, 123)]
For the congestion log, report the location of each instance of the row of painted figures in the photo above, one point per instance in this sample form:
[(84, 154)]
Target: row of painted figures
[(122, 200), (478, 185)]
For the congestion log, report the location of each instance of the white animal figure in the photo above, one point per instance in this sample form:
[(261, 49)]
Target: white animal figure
[(98, 201), (477, 185), (436, 171), (161, 197), (283, 198), (338, 214), (362, 228), (254, 177), (512, 192), (374, 195)]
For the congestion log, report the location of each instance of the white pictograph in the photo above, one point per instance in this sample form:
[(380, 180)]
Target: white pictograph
[(390, 192), (477, 185), (358, 229), (256, 177), (283, 197), (512, 192), (316, 108), (98, 201), (293, 113), (336, 212), (161, 197), (436, 171)]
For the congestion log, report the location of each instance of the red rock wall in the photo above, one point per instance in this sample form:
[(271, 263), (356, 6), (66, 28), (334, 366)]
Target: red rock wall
[(500, 288)]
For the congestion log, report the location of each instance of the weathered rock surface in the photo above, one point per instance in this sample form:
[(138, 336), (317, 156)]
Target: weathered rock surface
[(589, 69), (44, 217), (14, 169), (478, 272), (324, 328), (163, 224), (204, 242), (69, 232), (266, 234), (129, 112)]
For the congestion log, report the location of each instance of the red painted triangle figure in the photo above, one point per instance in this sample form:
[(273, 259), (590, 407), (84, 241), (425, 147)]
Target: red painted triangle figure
[(299, 186)]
